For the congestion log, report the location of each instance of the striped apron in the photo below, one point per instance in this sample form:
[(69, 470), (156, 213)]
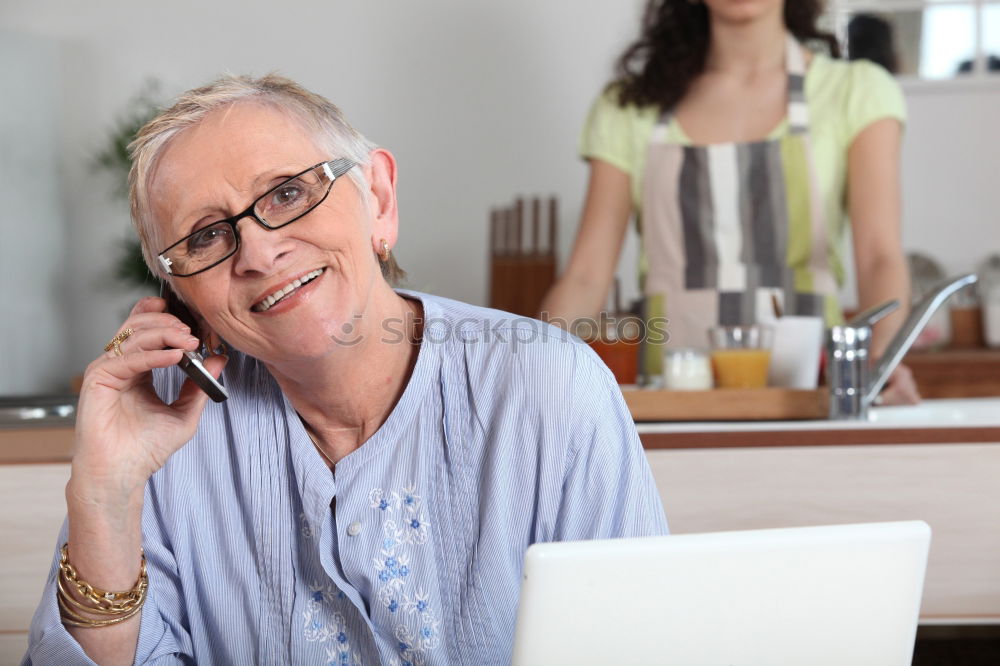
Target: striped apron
[(726, 226)]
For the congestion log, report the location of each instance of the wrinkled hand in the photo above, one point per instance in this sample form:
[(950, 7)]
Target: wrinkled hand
[(124, 432), (900, 389)]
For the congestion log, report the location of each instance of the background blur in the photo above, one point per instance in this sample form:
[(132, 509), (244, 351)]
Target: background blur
[(479, 102)]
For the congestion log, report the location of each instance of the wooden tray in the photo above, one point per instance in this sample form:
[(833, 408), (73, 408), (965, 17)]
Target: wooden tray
[(763, 404)]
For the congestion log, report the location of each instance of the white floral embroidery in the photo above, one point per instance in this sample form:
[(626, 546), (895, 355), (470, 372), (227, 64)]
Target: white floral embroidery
[(382, 501), (392, 568), (409, 649), (412, 526), (415, 529), (416, 624), (341, 655), (324, 625), (410, 499), (419, 602)]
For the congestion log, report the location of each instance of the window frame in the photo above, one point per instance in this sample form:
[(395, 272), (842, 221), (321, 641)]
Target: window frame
[(837, 12)]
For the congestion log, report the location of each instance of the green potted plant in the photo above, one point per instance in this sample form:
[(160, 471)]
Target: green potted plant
[(129, 268)]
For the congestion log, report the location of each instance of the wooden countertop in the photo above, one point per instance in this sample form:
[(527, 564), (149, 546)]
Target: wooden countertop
[(956, 373), (36, 444), (948, 373), (54, 445), (833, 436)]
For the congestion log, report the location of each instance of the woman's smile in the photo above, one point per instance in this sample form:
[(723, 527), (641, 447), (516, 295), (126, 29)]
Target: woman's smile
[(287, 296)]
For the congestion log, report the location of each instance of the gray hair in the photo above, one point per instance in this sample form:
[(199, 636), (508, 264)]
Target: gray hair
[(318, 116)]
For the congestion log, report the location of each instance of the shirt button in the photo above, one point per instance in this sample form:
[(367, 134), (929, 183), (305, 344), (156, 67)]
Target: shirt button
[(354, 529)]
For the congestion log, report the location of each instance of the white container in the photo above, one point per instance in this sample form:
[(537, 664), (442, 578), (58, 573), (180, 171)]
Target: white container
[(795, 353), (687, 369)]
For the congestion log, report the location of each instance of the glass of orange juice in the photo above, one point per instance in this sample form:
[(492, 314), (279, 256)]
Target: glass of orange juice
[(741, 355)]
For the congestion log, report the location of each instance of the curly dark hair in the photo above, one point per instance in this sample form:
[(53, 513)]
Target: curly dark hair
[(870, 37), (670, 53)]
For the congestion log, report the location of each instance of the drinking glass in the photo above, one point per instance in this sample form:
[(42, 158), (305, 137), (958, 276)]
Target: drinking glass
[(741, 355)]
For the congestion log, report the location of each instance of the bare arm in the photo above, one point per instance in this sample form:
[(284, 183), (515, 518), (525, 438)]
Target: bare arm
[(583, 287), (873, 200)]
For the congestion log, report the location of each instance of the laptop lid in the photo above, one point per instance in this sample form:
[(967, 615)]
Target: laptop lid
[(836, 595)]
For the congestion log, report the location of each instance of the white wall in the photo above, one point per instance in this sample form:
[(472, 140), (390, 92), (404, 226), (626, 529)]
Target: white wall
[(950, 169), (32, 305), (951, 172), (479, 101)]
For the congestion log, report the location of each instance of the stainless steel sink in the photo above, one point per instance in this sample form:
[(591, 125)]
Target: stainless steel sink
[(48, 410)]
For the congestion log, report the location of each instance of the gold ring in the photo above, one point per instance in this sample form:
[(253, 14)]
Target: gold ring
[(117, 341)]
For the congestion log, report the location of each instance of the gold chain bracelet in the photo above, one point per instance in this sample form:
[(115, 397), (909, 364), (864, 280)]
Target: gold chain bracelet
[(119, 606)]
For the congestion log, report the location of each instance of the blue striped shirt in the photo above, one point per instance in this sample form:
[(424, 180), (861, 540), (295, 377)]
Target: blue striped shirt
[(509, 432)]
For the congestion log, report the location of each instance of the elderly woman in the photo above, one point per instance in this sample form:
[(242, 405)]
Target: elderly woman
[(367, 492)]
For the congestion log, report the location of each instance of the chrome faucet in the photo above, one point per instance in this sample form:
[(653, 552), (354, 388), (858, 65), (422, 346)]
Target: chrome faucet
[(847, 350)]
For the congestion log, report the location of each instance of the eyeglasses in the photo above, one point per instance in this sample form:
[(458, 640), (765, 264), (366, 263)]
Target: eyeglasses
[(210, 245)]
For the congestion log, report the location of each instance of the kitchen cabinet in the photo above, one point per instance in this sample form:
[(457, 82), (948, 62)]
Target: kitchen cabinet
[(717, 477), (32, 509)]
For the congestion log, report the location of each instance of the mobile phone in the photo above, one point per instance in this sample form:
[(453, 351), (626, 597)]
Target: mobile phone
[(191, 361)]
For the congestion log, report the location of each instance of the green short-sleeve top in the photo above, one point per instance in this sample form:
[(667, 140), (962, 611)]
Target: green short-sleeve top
[(843, 98)]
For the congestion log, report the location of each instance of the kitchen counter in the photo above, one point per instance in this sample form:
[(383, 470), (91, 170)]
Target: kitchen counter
[(36, 444), (938, 462), (956, 373), (934, 421), (972, 420), (36, 429)]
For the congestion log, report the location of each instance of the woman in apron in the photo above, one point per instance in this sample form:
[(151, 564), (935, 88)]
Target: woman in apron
[(743, 156)]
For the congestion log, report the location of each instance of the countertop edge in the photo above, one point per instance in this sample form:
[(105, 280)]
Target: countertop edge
[(54, 445), (36, 445), (812, 437)]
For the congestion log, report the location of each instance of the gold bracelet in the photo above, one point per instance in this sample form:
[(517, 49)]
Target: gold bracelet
[(72, 618), (120, 606), (117, 602), (67, 597)]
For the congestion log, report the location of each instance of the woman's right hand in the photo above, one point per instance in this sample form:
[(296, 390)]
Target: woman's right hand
[(124, 432)]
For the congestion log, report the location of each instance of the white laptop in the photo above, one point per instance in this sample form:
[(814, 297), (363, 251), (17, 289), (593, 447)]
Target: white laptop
[(842, 595)]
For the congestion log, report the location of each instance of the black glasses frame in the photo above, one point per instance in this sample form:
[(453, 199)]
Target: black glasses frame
[(333, 169)]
